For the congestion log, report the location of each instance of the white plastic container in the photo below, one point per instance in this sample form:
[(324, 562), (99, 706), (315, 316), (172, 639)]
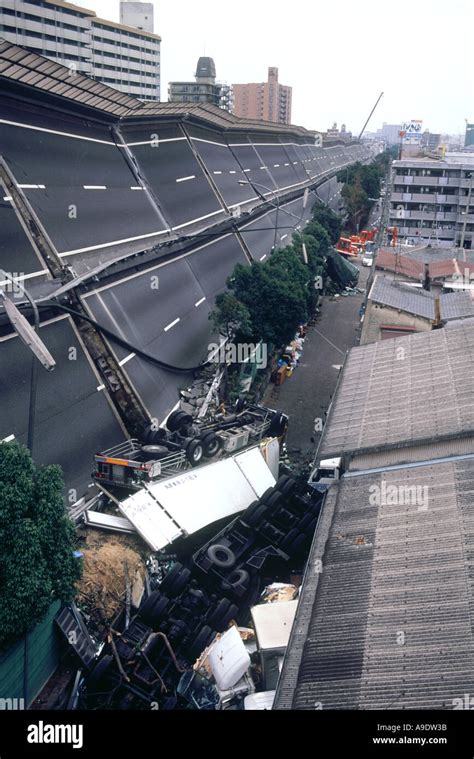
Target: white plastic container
[(228, 659)]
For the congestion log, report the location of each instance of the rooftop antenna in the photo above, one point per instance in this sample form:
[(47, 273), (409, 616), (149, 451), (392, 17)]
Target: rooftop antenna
[(370, 115)]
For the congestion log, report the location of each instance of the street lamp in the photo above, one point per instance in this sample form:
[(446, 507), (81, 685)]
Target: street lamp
[(30, 337), (265, 200)]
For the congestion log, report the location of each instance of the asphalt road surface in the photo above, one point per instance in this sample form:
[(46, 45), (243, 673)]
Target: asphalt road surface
[(74, 416), (306, 395)]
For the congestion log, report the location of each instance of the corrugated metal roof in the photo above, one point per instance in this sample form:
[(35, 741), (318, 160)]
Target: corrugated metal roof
[(404, 391), (387, 292), (412, 455), (387, 623)]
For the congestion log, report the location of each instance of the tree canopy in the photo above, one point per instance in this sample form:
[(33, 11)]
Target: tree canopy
[(36, 542)]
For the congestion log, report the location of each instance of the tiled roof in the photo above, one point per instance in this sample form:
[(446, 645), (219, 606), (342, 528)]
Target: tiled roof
[(30, 69), (400, 264), (403, 297)]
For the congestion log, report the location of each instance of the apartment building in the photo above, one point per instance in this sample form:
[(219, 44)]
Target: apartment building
[(120, 56), (268, 100), (432, 201)]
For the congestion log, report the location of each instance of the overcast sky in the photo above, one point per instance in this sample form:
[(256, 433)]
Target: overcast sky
[(338, 56)]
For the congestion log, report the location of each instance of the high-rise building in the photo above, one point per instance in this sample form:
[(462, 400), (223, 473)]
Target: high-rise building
[(123, 57), (469, 138), (390, 133), (137, 15), (268, 100), (204, 88)]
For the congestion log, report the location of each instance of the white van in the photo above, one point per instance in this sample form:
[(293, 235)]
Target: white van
[(368, 258)]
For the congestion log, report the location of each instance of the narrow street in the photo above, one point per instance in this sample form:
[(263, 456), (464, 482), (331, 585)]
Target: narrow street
[(306, 395)]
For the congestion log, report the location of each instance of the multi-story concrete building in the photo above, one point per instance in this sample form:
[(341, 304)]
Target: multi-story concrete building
[(269, 100), (390, 133), (204, 89), (432, 200), (120, 56), (137, 15)]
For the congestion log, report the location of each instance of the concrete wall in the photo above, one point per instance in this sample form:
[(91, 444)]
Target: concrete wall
[(376, 316)]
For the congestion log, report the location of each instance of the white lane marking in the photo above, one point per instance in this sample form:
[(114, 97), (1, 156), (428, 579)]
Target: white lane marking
[(99, 290), (199, 302), (54, 131), (100, 387), (41, 273), (242, 202), (8, 439), (217, 172), (7, 197), (295, 162), (262, 167), (210, 142), (276, 165), (127, 359), (171, 324), (287, 164), (94, 186), (136, 188), (232, 172), (247, 170), (185, 179), (200, 218), (149, 142), (262, 257), (282, 238), (109, 244), (32, 186)]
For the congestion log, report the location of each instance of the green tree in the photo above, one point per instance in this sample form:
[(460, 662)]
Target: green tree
[(274, 297), (329, 220), (230, 317), (36, 543)]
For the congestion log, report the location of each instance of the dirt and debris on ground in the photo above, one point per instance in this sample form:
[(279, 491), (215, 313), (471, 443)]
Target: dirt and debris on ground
[(102, 589)]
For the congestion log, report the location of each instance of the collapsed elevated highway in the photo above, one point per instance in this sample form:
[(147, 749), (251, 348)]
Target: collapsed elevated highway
[(132, 215)]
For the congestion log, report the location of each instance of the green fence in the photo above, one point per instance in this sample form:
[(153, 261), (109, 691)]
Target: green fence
[(42, 658)]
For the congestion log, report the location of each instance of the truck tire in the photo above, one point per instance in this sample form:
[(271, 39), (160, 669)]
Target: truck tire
[(266, 495), (292, 542), (256, 517), (148, 604), (224, 612), (221, 556), (175, 420), (194, 451), (176, 579), (308, 523), (154, 613), (273, 500), (153, 437), (238, 577), (211, 444), (202, 639), (285, 484), (277, 425), (250, 510)]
